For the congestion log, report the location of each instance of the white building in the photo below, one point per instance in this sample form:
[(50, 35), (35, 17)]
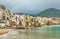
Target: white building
[(4, 23), (23, 20)]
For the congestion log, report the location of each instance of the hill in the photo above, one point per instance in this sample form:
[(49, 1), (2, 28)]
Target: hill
[(51, 12), (25, 14)]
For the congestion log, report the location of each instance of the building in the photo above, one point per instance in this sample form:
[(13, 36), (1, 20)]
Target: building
[(23, 20), (4, 23), (2, 12), (7, 15)]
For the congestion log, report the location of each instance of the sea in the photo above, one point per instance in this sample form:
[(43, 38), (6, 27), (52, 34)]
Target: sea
[(45, 32)]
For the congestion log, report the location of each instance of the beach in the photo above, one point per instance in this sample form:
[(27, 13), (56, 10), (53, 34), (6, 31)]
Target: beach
[(3, 31), (52, 32)]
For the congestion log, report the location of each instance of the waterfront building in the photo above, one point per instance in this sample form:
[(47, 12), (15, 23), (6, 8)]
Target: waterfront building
[(23, 20), (4, 23), (2, 12), (28, 21), (8, 14)]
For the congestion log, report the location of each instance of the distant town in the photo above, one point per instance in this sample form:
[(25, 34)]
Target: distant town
[(12, 20)]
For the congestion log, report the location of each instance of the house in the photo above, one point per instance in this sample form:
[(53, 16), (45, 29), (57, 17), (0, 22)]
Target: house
[(28, 21), (8, 15), (23, 20), (4, 23), (2, 12), (56, 22)]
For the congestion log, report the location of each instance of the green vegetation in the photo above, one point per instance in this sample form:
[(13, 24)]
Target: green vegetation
[(50, 13), (2, 6)]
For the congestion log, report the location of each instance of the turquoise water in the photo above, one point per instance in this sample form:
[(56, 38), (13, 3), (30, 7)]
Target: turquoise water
[(50, 32)]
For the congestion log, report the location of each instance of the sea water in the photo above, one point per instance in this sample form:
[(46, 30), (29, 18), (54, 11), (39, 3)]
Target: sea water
[(47, 32)]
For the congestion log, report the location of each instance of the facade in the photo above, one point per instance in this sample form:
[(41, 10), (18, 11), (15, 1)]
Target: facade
[(23, 20), (2, 13), (4, 23), (8, 15), (9, 19)]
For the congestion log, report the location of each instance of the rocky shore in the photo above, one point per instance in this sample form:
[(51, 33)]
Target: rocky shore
[(3, 31)]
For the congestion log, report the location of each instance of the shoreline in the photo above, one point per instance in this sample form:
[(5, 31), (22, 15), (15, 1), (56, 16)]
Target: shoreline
[(3, 31), (50, 25)]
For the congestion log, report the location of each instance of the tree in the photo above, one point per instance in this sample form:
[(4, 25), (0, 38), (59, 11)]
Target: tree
[(2, 6)]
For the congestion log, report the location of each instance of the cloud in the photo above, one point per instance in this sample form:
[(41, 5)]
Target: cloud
[(30, 6)]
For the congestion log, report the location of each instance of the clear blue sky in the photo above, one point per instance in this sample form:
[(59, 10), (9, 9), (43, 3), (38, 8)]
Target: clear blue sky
[(30, 6)]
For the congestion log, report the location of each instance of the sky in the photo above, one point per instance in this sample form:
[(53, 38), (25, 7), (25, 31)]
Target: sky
[(30, 6)]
